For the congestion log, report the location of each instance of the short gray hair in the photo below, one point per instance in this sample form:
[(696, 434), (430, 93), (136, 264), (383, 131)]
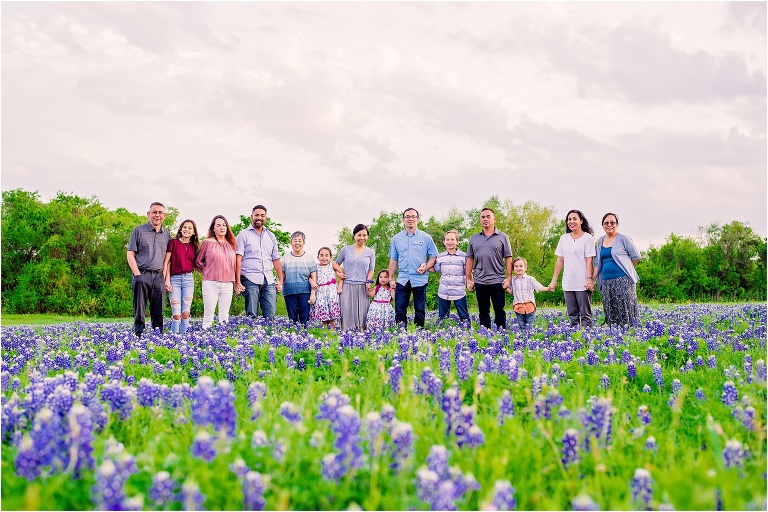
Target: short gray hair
[(298, 233)]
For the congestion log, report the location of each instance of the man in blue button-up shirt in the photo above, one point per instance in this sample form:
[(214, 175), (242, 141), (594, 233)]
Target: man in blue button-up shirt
[(412, 252)]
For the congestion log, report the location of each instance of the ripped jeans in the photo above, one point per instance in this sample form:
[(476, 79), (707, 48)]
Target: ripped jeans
[(183, 287)]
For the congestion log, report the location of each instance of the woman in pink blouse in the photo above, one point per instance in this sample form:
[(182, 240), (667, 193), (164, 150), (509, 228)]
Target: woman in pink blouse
[(216, 260)]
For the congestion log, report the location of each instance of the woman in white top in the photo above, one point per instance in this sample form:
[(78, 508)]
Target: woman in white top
[(575, 252)]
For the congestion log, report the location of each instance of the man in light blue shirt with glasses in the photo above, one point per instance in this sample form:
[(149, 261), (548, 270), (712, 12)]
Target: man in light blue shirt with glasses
[(412, 252)]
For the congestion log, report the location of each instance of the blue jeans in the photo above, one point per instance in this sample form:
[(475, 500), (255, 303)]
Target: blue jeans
[(297, 305), (182, 289), (444, 307), (256, 295), (524, 319), (403, 297)]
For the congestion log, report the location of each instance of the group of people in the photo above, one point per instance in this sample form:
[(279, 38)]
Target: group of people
[(328, 290)]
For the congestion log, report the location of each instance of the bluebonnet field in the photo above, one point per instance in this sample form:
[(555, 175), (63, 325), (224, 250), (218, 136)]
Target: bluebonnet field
[(262, 414)]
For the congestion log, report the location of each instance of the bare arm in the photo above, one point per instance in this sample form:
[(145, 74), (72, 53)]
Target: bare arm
[(590, 284), (339, 272), (508, 265), (280, 274), (131, 255), (391, 269), (167, 272), (470, 268), (431, 262), (313, 280), (371, 291), (239, 288), (558, 268)]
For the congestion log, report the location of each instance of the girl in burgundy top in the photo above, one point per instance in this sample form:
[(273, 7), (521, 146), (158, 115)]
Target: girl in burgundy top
[(216, 261), (179, 277)]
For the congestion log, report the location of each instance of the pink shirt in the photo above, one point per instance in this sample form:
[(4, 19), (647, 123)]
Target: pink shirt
[(216, 260)]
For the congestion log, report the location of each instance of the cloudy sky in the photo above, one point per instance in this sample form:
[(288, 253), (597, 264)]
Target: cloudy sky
[(329, 113)]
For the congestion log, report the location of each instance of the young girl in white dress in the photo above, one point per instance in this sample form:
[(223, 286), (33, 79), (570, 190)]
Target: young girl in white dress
[(381, 314), (326, 307)]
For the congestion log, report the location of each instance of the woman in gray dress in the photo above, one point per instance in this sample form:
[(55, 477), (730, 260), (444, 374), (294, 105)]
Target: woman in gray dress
[(356, 279)]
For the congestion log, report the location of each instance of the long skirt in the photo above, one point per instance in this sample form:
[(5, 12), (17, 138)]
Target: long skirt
[(354, 306), (620, 301)]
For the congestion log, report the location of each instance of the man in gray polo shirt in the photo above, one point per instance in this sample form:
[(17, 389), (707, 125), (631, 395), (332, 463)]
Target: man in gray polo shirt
[(256, 257), (489, 254), (146, 254)]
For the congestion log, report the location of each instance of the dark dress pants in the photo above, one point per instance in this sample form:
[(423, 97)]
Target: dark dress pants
[(148, 286), (487, 294), (403, 297)]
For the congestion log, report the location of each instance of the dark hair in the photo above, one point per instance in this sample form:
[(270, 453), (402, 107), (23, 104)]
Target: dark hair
[(230, 236), (378, 276), (325, 249), (584, 223), (157, 203), (259, 207), (409, 209), (614, 216), (193, 239), (489, 209), (359, 228)]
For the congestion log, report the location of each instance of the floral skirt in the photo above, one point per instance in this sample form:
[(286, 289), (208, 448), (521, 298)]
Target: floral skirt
[(620, 301)]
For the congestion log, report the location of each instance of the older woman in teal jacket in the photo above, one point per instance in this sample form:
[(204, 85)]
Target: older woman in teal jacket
[(615, 274)]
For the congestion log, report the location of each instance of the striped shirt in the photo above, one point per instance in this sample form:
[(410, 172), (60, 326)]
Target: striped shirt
[(522, 288), (297, 270), (453, 280)]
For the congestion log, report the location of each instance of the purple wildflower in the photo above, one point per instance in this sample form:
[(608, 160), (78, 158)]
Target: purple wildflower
[(239, 467), (503, 496), (700, 394), (676, 386), (259, 439), (644, 413), (190, 496), (730, 395), (711, 361), (374, 426), (658, 376), (254, 485), (650, 444), (570, 447), (402, 444), (641, 487), (81, 438), (290, 412), (109, 491), (202, 446), (395, 375), (597, 421), (583, 502), (605, 382), (646, 388), (163, 489), (734, 453), (506, 407), (631, 370)]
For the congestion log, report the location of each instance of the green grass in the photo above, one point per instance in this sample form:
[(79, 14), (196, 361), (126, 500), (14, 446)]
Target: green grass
[(48, 319)]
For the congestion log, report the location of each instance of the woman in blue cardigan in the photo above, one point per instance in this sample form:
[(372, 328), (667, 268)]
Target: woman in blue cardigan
[(615, 274)]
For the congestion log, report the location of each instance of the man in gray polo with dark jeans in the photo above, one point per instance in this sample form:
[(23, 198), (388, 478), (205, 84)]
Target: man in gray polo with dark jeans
[(489, 255), (146, 254)]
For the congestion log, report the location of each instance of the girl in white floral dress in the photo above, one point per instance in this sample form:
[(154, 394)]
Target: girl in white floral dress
[(326, 307), (381, 314)]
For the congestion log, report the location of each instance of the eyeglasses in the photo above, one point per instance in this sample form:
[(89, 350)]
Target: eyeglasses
[(410, 216), (157, 213), (610, 223)]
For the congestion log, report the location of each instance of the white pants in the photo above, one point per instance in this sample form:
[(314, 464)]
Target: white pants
[(216, 292)]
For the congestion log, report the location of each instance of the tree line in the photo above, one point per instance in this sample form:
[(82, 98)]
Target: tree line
[(67, 255)]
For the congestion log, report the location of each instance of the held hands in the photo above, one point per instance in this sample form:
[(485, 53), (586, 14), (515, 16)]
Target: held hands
[(590, 284), (239, 288), (312, 298), (422, 268), (278, 287), (470, 285), (505, 283), (553, 286), (168, 286)]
